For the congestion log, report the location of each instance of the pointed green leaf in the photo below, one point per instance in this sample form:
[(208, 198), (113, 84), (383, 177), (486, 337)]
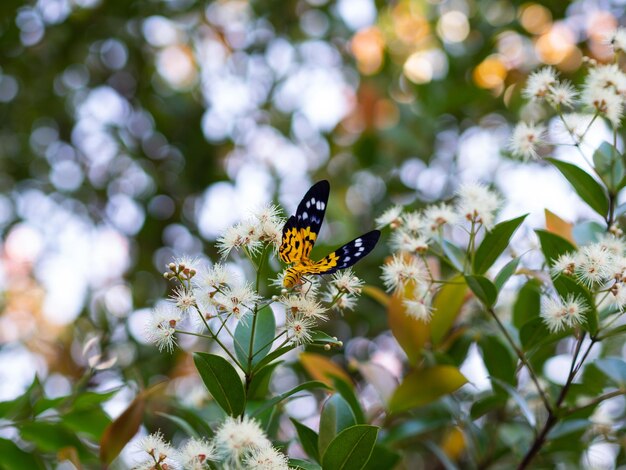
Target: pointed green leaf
[(585, 186), (347, 392), (498, 359), (494, 243), (483, 288), (259, 386), (308, 439), (528, 303), (264, 333), (222, 381), (446, 308), (423, 386), (351, 448), (506, 272), (553, 245), (336, 416), (614, 368), (609, 164)]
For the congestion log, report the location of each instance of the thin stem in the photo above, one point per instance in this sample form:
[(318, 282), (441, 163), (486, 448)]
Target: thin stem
[(217, 340), (594, 402), (523, 359), (269, 343)]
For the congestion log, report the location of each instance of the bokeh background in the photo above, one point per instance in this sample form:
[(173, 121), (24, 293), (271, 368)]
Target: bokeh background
[(134, 131)]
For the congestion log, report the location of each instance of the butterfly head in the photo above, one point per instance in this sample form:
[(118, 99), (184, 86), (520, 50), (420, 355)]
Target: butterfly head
[(292, 278)]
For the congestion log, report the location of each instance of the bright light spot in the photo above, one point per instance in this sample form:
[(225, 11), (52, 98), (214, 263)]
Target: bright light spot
[(368, 46), (536, 19), (490, 73), (105, 105), (160, 31), (554, 46), (23, 244), (453, 26), (600, 455), (137, 324), (125, 213), (473, 368), (18, 367), (357, 13), (8, 88), (66, 175), (176, 65), (424, 66), (118, 300)]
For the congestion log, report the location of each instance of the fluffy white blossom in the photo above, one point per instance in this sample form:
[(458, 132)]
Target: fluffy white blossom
[(339, 299), (525, 140), (183, 299), (559, 314), (617, 39), (390, 217), (266, 458), (614, 245), (402, 240), (401, 270), (243, 234), (539, 83), (304, 305), (270, 225), (436, 216), (478, 203), (562, 94), (238, 437), (420, 307), (564, 264), (236, 299), (346, 281), (196, 454), (158, 449), (605, 102), (606, 77), (594, 264), (161, 327), (215, 277), (617, 296), (299, 329)]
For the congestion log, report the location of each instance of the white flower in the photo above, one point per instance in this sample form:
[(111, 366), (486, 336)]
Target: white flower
[(525, 139), (390, 217), (304, 305), (413, 222), (196, 454), (437, 216), (614, 245), (539, 83), (233, 299), (299, 329), (339, 299), (401, 270), (183, 299), (346, 281), (215, 277), (562, 94), (270, 225), (617, 39), (594, 264), (266, 458), (420, 307), (558, 313), (162, 326), (605, 102), (478, 203), (186, 263), (238, 437), (401, 240), (564, 264), (608, 76), (244, 234), (155, 446), (617, 296)]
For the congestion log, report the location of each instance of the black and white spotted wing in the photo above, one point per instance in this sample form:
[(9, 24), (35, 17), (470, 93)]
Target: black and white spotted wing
[(347, 255), (311, 210)]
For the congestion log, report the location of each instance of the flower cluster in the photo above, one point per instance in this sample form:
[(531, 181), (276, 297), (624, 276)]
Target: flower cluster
[(600, 266), (603, 93), (559, 314), (414, 234), (239, 443)]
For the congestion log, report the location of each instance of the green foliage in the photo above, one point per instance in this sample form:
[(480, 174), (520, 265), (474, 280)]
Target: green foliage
[(351, 448), (222, 381), (494, 244), (263, 336)]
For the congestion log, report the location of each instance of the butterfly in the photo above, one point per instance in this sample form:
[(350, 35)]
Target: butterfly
[(300, 233)]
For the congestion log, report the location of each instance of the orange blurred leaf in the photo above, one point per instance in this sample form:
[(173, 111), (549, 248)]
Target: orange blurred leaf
[(453, 443), (410, 332), (120, 431), (71, 454), (559, 226), (377, 294), (323, 369)]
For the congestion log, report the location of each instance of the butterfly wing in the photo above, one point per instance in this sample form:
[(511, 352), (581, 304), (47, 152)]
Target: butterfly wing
[(290, 249), (345, 256), (310, 215)]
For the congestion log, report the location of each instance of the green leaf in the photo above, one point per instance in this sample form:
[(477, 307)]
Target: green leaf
[(587, 232), (50, 437), (273, 355), (92, 422), (528, 303), (303, 464), (521, 402), (609, 165), (222, 381), (553, 245), (351, 448), (347, 392), (614, 368), (454, 255), (259, 385), (566, 428), (483, 288), (585, 186), (498, 359), (181, 423), (494, 243), (423, 386), (535, 333), (335, 417), (15, 458), (566, 286), (382, 458), (264, 333), (486, 404), (313, 384), (506, 272), (447, 306), (308, 439)]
